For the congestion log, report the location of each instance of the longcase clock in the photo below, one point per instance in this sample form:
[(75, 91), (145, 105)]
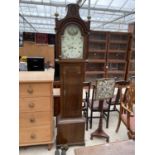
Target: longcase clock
[(71, 52)]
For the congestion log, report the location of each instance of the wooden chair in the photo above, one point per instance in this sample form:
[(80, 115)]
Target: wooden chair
[(85, 103), (94, 105), (132, 79), (116, 99), (126, 114)]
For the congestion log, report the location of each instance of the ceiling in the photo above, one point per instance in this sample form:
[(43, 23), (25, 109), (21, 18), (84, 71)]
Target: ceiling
[(106, 15)]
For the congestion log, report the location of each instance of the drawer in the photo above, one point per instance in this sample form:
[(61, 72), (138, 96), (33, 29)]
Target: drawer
[(35, 135), (34, 119), (32, 104), (35, 89)]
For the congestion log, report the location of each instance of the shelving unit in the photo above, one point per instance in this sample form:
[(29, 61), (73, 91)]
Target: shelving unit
[(108, 55), (95, 68), (131, 71), (117, 54)]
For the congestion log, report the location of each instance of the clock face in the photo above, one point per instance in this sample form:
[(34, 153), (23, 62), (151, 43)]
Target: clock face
[(72, 43)]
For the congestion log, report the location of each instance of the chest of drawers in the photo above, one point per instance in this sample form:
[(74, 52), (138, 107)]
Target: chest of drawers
[(35, 108)]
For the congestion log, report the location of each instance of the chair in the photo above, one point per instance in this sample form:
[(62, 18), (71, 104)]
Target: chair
[(94, 103), (127, 115), (132, 83), (85, 102), (116, 99), (132, 79)]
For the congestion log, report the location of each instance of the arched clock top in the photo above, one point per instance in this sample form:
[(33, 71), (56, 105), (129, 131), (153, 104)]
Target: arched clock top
[(72, 35), (78, 25)]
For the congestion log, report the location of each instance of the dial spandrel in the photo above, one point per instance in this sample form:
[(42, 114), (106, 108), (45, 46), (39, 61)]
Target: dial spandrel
[(72, 43)]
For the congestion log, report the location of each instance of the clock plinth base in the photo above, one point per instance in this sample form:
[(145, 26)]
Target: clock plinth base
[(70, 131)]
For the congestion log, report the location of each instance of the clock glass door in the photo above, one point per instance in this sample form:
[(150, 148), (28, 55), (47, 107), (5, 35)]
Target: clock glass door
[(72, 43)]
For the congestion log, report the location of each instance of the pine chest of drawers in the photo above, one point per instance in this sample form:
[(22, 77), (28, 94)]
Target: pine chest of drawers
[(35, 108)]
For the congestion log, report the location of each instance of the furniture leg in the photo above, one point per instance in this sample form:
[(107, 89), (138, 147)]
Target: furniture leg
[(118, 125), (49, 146), (56, 121), (91, 115), (87, 119), (107, 122), (108, 114), (130, 135), (117, 100)]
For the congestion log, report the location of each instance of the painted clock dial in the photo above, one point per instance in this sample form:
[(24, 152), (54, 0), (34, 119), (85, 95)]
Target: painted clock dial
[(72, 43)]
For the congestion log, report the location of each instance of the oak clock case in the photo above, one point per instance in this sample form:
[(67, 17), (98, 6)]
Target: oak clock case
[(71, 52)]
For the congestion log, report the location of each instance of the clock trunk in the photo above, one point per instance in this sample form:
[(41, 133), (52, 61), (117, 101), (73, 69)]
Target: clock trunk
[(72, 78)]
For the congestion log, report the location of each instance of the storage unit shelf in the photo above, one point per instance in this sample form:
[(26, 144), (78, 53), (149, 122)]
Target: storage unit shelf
[(97, 41), (116, 72), (118, 42), (96, 61), (95, 72), (131, 68), (132, 72), (117, 51), (116, 61), (97, 51)]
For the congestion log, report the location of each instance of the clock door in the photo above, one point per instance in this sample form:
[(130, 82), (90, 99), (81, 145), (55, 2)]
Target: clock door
[(72, 43), (72, 80)]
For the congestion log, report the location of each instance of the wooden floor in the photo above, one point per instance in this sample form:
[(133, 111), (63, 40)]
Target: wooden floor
[(126, 147)]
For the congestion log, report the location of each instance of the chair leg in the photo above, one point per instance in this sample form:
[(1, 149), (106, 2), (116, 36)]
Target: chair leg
[(84, 113), (118, 125), (108, 114), (107, 121), (87, 119), (91, 116), (131, 135)]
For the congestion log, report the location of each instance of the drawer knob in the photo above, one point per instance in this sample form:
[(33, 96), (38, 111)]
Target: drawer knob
[(30, 90), (32, 120), (31, 105), (33, 136)]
